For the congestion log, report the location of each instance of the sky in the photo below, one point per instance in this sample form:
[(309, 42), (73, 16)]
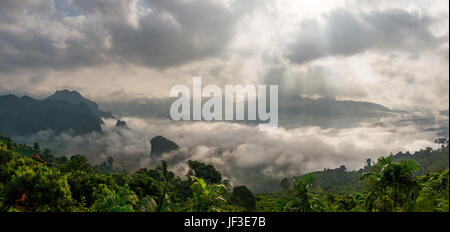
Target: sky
[(322, 54)]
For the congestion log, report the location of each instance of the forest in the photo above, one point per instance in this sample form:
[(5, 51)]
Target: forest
[(35, 180)]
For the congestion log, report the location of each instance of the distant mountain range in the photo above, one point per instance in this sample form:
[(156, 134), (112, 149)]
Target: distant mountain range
[(294, 111), (61, 112)]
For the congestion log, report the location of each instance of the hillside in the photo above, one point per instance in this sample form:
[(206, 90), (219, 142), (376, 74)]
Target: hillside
[(25, 115), (340, 180)]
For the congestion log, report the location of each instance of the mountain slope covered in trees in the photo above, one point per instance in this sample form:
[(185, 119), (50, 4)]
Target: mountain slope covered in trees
[(340, 180)]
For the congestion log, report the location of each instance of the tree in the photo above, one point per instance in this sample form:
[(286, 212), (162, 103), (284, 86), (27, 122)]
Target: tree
[(38, 189), (369, 163), (83, 185), (167, 178), (77, 163), (9, 169), (147, 204), (402, 181), (376, 184), (106, 166), (120, 200), (46, 153), (7, 142), (243, 197), (6, 155), (286, 183), (204, 171), (392, 182), (434, 195), (143, 185), (207, 198), (303, 199), (443, 142), (36, 147)]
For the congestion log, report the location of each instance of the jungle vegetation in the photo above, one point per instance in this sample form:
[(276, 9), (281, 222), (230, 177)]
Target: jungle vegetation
[(395, 183)]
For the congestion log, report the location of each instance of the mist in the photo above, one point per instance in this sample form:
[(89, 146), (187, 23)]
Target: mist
[(241, 152)]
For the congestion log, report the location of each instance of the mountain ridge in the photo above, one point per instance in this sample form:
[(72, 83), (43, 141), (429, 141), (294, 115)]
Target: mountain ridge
[(25, 115), (75, 97)]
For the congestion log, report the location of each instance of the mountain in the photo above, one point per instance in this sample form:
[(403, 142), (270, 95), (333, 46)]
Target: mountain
[(74, 97), (429, 160), (162, 145), (297, 111), (294, 111), (121, 124), (25, 115)]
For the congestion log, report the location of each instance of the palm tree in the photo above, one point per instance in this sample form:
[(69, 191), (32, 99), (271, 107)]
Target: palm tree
[(403, 181), (376, 183), (392, 178), (303, 197), (167, 178)]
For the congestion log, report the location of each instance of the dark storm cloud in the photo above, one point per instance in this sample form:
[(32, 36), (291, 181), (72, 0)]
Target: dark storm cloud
[(174, 34), (35, 50), (344, 33), (33, 35), (154, 33)]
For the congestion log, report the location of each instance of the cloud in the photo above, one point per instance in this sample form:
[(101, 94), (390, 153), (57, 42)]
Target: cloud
[(242, 152), (344, 33), (34, 35), (74, 34), (175, 32), (128, 54), (144, 47)]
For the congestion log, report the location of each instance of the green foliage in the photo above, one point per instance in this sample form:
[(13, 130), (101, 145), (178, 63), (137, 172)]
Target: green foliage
[(122, 199), (147, 204), (106, 166), (143, 185), (350, 203), (390, 185), (343, 182), (8, 142), (204, 171), (36, 148), (243, 197), (429, 160), (273, 202), (39, 188), (395, 183), (338, 180), (77, 163), (434, 195), (6, 154), (304, 201), (207, 198), (9, 169), (83, 185)]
